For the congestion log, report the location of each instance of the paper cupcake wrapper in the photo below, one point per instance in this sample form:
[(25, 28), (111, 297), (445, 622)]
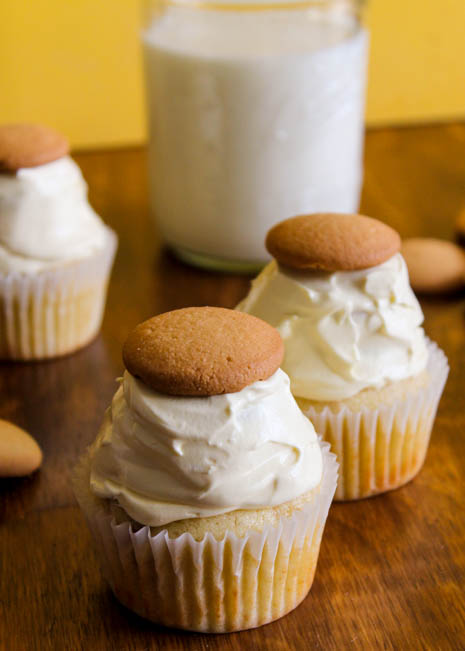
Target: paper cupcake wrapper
[(211, 586), (57, 311), (380, 450)]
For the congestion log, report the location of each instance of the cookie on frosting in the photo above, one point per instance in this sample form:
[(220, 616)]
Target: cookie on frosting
[(29, 145), (332, 242), (202, 351)]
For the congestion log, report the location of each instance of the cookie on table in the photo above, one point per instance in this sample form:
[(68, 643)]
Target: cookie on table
[(435, 266), (20, 454)]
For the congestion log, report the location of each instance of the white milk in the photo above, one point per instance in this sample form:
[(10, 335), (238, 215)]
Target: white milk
[(254, 117)]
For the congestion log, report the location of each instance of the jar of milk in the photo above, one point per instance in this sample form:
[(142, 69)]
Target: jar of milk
[(255, 115)]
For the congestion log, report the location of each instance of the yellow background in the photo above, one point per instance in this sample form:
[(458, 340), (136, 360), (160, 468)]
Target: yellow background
[(76, 65)]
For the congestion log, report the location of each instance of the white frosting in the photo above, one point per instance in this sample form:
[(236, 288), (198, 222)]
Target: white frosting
[(167, 458), (343, 331), (45, 217)]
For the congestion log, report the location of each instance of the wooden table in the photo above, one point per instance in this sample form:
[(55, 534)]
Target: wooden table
[(391, 568)]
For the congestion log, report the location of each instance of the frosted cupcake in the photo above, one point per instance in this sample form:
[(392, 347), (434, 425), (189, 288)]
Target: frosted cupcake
[(360, 365), (55, 252), (207, 490)]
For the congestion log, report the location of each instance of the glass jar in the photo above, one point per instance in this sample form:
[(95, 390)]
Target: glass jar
[(255, 114)]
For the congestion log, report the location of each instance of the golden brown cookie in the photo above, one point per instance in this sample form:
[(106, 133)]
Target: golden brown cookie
[(202, 351), (332, 242), (19, 453), (434, 266), (29, 145)]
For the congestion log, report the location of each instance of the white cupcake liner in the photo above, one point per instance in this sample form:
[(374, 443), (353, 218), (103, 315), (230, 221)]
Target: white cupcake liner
[(55, 311), (211, 586), (381, 449)]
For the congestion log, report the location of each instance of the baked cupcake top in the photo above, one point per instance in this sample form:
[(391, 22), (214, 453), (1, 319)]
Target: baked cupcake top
[(348, 322), (237, 441), (45, 218)]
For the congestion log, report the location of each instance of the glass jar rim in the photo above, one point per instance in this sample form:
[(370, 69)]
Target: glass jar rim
[(262, 5)]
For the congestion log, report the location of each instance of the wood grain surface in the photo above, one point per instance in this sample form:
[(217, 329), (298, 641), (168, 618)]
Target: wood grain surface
[(391, 569)]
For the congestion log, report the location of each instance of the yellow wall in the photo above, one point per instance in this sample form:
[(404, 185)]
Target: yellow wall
[(76, 65), (417, 61), (73, 64)]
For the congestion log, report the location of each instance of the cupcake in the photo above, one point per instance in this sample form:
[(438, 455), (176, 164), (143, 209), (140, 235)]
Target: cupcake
[(55, 252), (359, 363), (206, 490)]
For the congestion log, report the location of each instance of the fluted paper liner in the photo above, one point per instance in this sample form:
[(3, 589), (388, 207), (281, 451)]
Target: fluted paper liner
[(211, 586), (380, 450), (55, 311)]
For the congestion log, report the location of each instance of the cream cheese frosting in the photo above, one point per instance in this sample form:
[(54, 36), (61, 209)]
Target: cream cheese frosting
[(45, 217), (166, 458), (343, 331)]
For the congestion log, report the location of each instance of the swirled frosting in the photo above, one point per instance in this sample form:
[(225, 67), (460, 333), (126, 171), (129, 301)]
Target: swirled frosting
[(45, 217), (166, 458), (343, 331)]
